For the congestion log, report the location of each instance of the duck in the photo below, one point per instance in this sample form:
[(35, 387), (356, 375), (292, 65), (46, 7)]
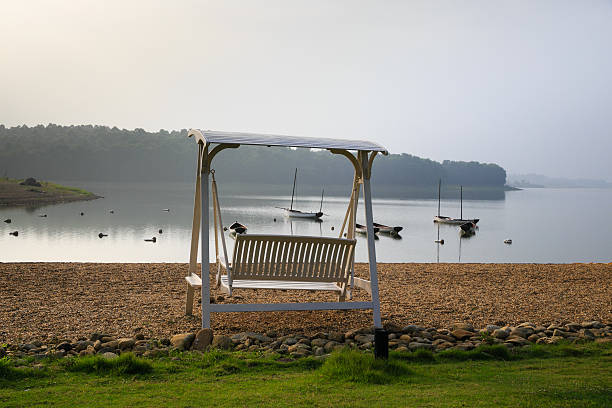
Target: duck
[(82, 213), (112, 211), (439, 241), (160, 231), (100, 235), (508, 241), (14, 233), (151, 240), (8, 221), (43, 215), (166, 210)]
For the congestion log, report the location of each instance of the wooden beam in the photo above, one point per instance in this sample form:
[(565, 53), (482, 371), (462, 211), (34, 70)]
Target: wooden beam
[(204, 247), (367, 196), (270, 307)]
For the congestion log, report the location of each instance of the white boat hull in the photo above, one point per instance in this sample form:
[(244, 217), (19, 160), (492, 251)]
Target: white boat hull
[(301, 214), (452, 221)]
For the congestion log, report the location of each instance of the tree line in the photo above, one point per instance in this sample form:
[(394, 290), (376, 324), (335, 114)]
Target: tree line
[(101, 153)]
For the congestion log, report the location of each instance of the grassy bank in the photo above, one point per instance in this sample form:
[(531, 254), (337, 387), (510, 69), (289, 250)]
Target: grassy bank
[(552, 375), (12, 193)]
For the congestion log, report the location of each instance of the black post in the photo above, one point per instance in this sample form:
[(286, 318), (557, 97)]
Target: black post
[(381, 344)]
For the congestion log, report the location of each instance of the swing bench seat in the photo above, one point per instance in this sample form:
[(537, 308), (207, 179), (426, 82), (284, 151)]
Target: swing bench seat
[(286, 263)]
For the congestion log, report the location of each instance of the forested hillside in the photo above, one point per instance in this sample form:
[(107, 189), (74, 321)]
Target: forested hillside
[(101, 153)]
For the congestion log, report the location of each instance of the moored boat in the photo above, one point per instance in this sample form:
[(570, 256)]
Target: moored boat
[(362, 229), (302, 214), (290, 212), (456, 221), (237, 228), (385, 229), (441, 219), (468, 228)]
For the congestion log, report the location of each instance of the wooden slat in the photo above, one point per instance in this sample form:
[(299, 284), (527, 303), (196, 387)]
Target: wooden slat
[(290, 258), (255, 259)]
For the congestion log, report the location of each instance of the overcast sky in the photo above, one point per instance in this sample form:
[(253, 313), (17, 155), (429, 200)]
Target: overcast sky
[(525, 84)]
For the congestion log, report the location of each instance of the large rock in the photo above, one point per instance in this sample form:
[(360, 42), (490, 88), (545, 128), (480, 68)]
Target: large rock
[(573, 327), (113, 344), (592, 325), (500, 334), (523, 332), (66, 346), (109, 355), (416, 345), (336, 336), (221, 341), (364, 338), (517, 340), (182, 341), (30, 181), (318, 342), (203, 339), (125, 343), (462, 334), (462, 326)]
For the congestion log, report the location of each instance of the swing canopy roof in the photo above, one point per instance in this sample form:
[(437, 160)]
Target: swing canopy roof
[(255, 139)]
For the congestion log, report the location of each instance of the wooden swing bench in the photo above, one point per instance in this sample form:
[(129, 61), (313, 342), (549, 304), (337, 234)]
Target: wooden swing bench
[(279, 261), (286, 263)]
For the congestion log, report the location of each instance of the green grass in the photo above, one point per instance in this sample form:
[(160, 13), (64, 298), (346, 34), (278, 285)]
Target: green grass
[(547, 375), (47, 187), (59, 188)]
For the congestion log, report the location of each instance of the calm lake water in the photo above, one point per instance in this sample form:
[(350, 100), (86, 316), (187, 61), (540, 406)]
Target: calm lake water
[(546, 226)]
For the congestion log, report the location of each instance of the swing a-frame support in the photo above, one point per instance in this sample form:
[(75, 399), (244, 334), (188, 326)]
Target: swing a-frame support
[(282, 262)]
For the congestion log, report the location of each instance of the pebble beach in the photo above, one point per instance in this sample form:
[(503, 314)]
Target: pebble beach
[(39, 301)]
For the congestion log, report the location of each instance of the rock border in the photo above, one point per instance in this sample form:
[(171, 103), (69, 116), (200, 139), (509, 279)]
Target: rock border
[(460, 336)]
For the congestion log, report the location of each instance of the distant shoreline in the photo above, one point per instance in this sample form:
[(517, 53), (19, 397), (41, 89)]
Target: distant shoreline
[(14, 194)]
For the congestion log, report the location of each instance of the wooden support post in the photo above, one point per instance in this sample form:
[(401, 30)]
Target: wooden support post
[(367, 195), (195, 233), (204, 239)]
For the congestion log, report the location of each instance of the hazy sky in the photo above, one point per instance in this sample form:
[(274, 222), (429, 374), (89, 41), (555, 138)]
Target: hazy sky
[(525, 84)]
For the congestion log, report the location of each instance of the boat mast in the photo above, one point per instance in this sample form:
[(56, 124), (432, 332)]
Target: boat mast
[(293, 192), (439, 186), (321, 206), (461, 198)]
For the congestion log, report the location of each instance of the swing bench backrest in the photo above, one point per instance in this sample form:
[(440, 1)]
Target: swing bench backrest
[(292, 258)]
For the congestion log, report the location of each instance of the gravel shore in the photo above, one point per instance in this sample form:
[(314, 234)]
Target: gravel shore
[(66, 300)]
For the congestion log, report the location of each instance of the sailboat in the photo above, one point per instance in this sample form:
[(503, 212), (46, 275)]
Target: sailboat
[(290, 212), (449, 220)]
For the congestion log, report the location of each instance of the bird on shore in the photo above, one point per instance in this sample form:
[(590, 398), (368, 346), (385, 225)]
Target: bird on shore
[(8, 221), (14, 233), (151, 240), (100, 235)]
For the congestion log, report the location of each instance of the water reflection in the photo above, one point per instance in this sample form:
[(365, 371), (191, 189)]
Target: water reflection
[(529, 217)]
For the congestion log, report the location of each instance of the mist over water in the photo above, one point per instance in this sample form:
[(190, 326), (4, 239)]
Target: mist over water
[(546, 225)]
